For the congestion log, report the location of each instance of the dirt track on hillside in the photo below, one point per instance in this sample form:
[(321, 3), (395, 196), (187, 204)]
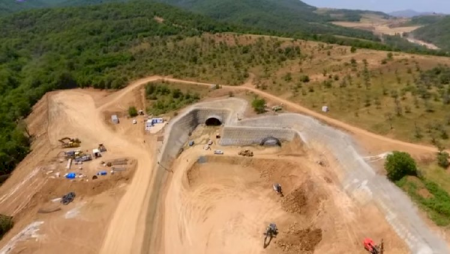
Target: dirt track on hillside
[(80, 113), (369, 140)]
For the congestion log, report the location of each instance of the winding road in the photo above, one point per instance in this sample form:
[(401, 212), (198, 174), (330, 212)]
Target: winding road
[(125, 230)]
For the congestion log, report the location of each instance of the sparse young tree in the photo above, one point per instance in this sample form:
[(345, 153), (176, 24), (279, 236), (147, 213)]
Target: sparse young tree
[(400, 164), (132, 111), (259, 105)]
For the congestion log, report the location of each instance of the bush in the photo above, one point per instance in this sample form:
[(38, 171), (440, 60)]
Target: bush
[(442, 158), (6, 223), (259, 105), (400, 164), (304, 78), (132, 111)]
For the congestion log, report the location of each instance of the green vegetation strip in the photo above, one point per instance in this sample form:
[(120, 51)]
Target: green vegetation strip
[(432, 198), (6, 223)]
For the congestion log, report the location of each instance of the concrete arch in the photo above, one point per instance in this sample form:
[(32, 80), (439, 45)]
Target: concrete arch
[(270, 141), (213, 120)]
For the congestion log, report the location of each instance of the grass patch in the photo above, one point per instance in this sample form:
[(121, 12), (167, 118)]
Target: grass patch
[(430, 196), (165, 97)]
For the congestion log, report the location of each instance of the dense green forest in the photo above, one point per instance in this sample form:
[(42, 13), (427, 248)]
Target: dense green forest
[(278, 15), (293, 18), (350, 15), (43, 50), (288, 18), (11, 6), (437, 33)]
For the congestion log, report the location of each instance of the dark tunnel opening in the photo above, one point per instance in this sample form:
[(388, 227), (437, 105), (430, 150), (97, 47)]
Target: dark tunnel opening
[(213, 121)]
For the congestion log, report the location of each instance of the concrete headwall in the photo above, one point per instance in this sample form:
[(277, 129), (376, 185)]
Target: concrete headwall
[(244, 135)]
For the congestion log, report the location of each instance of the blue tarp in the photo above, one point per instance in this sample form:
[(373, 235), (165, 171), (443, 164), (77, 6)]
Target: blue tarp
[(71, 175), (102, 173)]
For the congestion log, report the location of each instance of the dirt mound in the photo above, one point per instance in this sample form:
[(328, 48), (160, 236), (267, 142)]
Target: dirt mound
[(304, 200), (301, 241)]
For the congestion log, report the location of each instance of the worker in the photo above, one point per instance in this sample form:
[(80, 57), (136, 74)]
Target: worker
[(277, 188), (272, 229)]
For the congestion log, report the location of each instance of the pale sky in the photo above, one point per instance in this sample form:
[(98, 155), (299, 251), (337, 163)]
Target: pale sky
[(441, 6)]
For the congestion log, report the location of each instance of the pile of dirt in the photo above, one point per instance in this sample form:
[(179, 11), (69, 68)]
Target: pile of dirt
[(304, 200), (300, 241)]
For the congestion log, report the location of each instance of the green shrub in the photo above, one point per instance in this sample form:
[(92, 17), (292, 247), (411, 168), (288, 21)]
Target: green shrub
[(442, 158), (132, 111), (259, 105), (400, 164), (304, 78), (6, 223)]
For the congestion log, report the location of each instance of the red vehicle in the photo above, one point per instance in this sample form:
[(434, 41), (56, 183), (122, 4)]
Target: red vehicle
[(370, 246)]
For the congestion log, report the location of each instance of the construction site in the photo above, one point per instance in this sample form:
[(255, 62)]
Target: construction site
[(215, 178)]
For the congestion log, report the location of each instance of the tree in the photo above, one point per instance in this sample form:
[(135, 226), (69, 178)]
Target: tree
[(400, 164), (353, 49), (442, 159), (259, 105), (132, 111)]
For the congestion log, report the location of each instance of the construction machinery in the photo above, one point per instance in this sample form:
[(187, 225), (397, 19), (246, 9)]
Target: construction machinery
[(277, 188), (67, 142), (101, 148), (69, 197), (271, 232), (370, 246), (246, 153)]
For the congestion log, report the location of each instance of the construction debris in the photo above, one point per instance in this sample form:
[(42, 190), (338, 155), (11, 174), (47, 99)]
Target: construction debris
[(246, 153)]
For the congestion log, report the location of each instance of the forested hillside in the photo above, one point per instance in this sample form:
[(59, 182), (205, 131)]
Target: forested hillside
[(437, 33), (425, 20), (50, 49), (10, 6), (278, 15)]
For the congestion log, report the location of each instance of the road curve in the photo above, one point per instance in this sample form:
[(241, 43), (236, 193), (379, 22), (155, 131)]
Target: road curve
[(115, 231), (358, 132)]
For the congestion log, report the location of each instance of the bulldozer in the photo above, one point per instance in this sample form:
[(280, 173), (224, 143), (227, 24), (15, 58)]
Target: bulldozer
[(67, 142), (246, 153), (370, 246)]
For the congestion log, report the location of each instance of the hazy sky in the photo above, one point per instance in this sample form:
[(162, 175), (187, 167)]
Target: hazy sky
[(442, 6)]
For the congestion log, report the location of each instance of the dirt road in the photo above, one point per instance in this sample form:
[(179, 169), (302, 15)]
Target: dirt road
[(128, 214), (364, 136)]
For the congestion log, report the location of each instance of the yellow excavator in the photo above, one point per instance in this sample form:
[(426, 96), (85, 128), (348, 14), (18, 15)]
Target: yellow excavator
[(67, 142)]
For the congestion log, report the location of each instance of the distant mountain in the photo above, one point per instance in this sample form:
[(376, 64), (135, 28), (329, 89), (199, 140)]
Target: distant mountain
[(410, 13)]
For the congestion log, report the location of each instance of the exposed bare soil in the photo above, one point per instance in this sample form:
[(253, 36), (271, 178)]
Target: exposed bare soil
[(225, 204)]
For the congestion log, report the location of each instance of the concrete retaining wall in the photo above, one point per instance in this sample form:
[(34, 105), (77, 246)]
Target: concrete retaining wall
[(244, 135)]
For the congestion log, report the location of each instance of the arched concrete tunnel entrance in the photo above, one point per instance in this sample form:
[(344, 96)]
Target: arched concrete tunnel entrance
[(213, 121), (271, 141)]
